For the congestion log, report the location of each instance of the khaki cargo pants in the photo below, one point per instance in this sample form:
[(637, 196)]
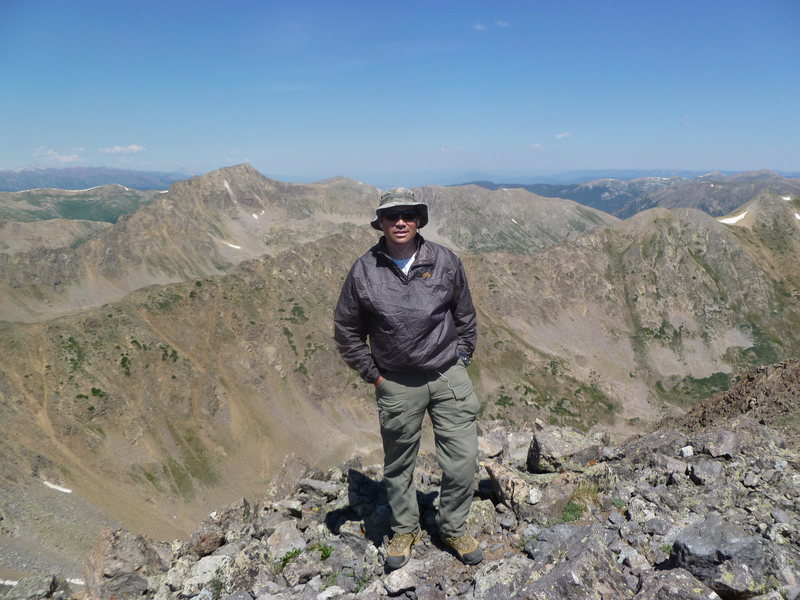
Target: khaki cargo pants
[(448, 397)]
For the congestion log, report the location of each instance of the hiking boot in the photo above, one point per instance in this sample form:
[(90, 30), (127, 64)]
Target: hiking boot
[(399, 549), (466, 548)]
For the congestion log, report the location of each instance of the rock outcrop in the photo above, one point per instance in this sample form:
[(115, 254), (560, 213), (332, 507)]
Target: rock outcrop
[(649, 519)]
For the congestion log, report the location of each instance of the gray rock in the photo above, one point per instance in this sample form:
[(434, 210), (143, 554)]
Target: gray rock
[(36, 587), (675, 584), (240, 595), (481, 516), (120, 564), (179, 572), (585, 568), (208, 571), (705, 472), (750, 479), (667, 464), (491, 442), (332, 592), (323, 488), (502, 578), (720, 443), (515, 450), (285, 539), (401, 580), (561, 448), (721, 555)]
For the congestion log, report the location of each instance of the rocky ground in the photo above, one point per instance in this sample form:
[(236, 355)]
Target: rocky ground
[(707, 507)]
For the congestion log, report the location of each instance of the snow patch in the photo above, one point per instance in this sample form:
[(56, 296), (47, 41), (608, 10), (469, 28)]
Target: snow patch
[(255, 216), (787, 198), (514, 221), (163, 191), (8, 582), (228, 186), (76, 581), (57, 488), (732, 220), (797, 216), (232, 245)]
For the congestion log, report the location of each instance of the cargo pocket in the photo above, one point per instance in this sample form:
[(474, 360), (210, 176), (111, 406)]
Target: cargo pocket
[(465, 406), (392, 401)]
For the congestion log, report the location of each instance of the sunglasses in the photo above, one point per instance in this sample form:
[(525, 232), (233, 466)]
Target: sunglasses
[(407, 216)]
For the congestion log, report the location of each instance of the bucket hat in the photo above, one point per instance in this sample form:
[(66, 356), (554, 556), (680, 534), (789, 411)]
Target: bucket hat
[(400, 197)]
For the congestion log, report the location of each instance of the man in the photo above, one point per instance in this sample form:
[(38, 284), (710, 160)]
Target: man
[(410, 299)]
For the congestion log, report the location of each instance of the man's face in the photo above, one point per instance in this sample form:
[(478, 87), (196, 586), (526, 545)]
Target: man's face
[(399, 224)]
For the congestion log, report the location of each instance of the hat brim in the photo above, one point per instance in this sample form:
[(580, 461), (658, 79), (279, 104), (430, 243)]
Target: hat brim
[(421, 208)]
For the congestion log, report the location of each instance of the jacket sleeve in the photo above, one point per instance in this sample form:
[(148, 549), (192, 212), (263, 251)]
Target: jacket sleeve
[(464, 313), (350, 328)]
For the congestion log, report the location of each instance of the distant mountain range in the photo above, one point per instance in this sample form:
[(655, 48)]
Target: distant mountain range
[(714, 193), (80, 178), (163, 364)]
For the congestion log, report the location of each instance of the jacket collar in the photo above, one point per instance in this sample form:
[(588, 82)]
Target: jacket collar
[(424, 252)]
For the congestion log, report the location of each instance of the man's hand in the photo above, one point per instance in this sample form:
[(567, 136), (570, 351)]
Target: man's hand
[(378, 381)]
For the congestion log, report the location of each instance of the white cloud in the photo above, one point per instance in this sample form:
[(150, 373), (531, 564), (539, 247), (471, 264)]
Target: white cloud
[(59, 157), (132, 149), (453, 149), (537, 147), (502, 24), (564, 135), (479, 27)]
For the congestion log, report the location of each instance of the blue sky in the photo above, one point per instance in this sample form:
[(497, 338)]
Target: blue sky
[(400, 92)]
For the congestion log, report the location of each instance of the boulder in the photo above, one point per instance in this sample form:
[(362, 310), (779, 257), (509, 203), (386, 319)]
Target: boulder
[(721, 555), (555, 449), (120, 565), (675, 584)]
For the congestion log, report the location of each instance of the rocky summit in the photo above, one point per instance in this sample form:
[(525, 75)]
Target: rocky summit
[(705, 509)]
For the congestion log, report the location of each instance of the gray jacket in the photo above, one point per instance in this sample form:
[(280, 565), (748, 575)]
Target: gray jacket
[(422, 321)]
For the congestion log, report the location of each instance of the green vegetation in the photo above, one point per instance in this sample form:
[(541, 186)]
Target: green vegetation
[(572, 512), (98, 393), (75, 353), (324, 550), (289, 335), (284, 560), (216, 586), (164, 302), (125, 364), (504, 400), (168, 353), (298, 315), (690, 389)]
